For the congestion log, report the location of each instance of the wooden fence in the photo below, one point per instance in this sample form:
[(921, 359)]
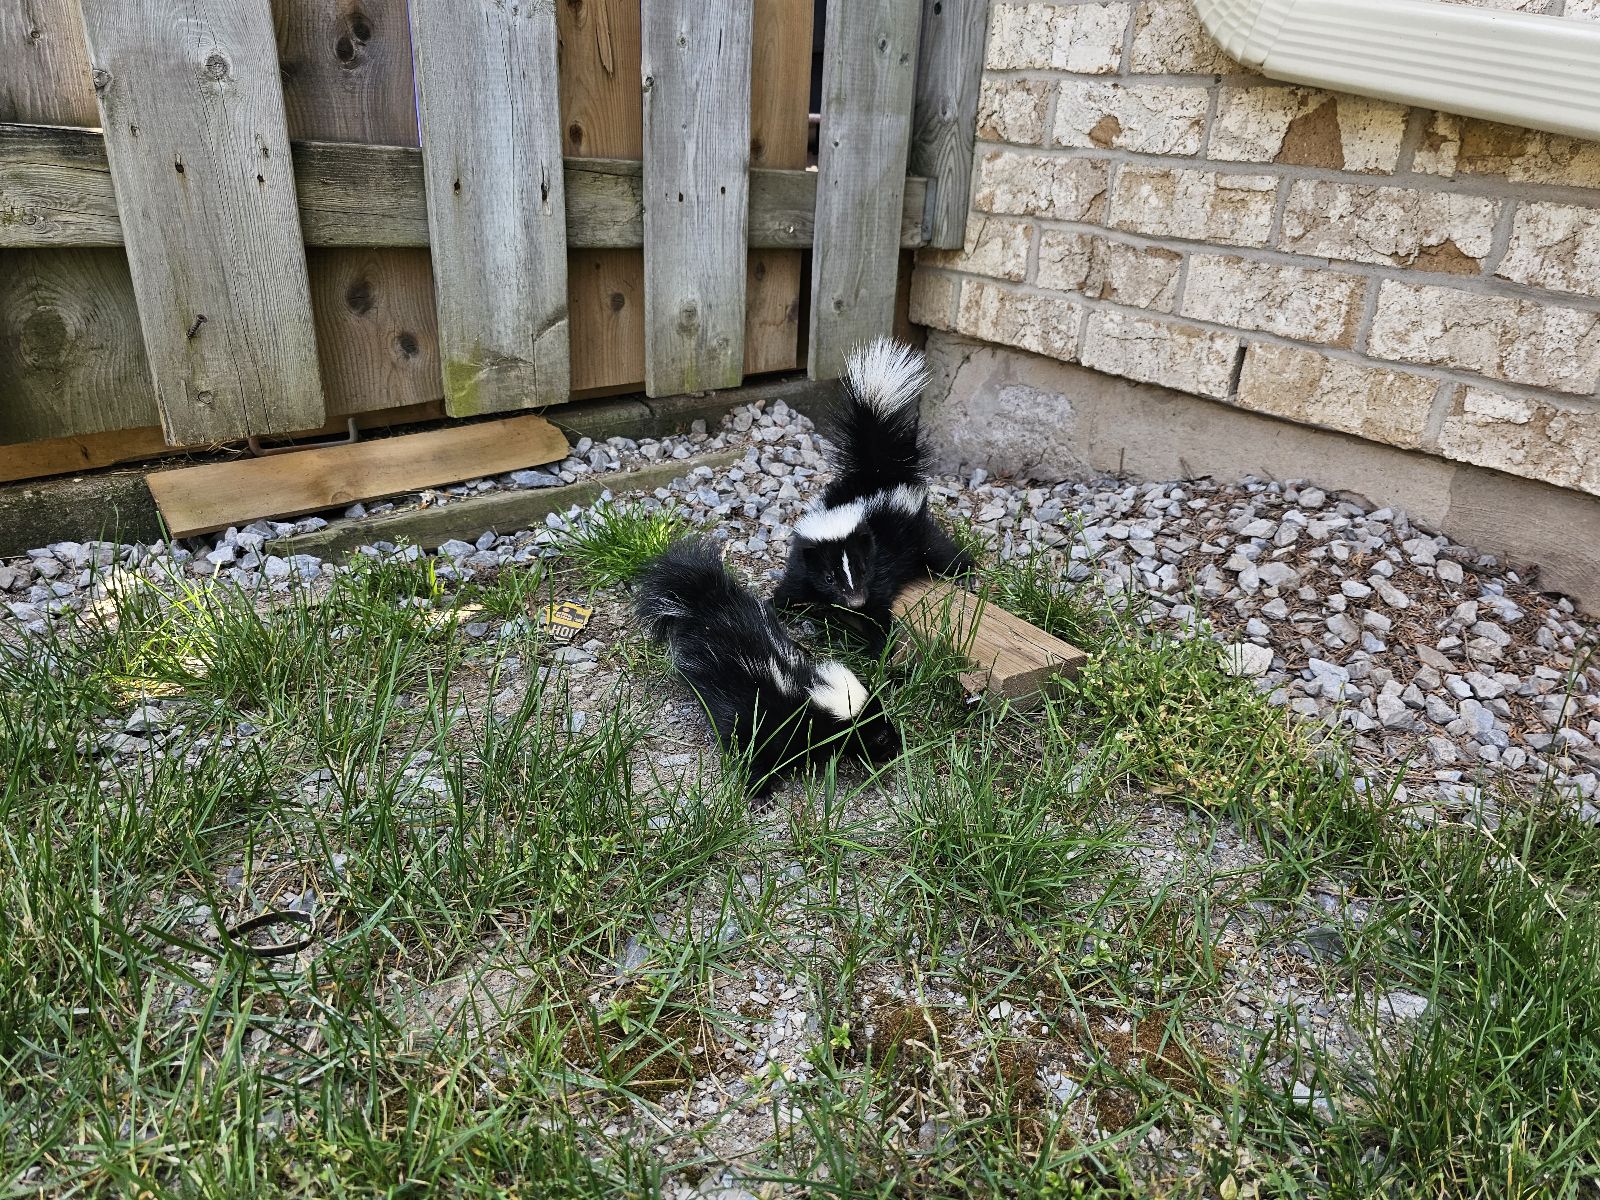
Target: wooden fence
[(236, 218)]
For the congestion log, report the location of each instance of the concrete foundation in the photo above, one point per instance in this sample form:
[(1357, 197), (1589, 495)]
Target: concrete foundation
[(1021, 414)]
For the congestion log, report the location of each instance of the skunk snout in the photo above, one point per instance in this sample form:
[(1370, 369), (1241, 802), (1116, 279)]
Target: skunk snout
[(855, 599)]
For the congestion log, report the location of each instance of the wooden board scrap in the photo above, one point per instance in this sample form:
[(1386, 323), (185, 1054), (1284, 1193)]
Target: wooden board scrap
[(1011, 659), (211, 497)]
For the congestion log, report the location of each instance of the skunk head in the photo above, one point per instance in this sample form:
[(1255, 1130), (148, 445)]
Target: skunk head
[(845, 707), (836, 547)]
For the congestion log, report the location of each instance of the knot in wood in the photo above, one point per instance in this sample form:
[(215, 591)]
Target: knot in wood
[(216, 68)]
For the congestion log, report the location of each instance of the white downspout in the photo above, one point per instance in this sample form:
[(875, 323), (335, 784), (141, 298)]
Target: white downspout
[(1541, 72)]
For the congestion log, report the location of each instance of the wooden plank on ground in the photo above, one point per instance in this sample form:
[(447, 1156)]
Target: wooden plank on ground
[(192, 111), (55, 190), (601, 116), (696, 64), (71, 359), (868, 82), (88, 451), (1011, 659), (202, 499), (945, 119), (347, 78), (491, 149), (780, 104)]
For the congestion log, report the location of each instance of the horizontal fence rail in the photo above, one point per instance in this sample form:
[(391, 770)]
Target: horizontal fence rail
[(55, 191)]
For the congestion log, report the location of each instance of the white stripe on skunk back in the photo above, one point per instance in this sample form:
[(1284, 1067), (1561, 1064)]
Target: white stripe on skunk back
[(886, 375), (837, 691), (831, 524)]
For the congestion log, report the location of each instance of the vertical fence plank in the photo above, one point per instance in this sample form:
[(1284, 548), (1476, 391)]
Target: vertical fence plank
[(194, 127), (945, 120), (347, 78), (696, 65), (780, 104), (71, 358), (868, 78), (602, 118), (491, 154), (45, 79)]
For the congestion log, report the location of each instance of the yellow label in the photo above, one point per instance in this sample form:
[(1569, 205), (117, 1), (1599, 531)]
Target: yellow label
[(565, 619)]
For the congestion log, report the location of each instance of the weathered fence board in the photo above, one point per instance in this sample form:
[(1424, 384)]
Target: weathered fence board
[(780, 102), (945, 119), (347, 78), (491, 149), (868, 77), (70, 358), (57, 186), (46, 73), (602, 118), (193, 117), (696, 68)]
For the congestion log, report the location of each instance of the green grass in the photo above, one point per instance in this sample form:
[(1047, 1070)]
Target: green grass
[(612, 541), (528, 939)]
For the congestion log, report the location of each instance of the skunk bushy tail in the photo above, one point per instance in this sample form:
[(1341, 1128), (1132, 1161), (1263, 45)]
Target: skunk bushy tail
[(875, 430), (686, 580)]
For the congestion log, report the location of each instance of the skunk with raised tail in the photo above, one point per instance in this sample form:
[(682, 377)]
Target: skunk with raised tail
[(765, 697), (872, 534)]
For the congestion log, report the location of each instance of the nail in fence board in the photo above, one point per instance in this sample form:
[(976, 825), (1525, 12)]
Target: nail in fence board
[(945, 121), (696, 85), (347, 78), (868, 79), (192, 111), (491, 152)]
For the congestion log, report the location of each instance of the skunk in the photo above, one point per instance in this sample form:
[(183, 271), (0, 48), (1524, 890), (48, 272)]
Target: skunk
[(872, 534), (765, 697)]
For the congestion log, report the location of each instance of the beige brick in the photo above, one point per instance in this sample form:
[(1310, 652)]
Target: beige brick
[(933, 299), (1154, 351), (1067, 189), (1044, 324), (1012, 110), (1147, 120), (1085, 39), (1434, 231), (1202, 206), (1539, 439), (1502, 337), (1304, 385), (1168, 39), (1308, 386), (1453, 146), (1554, 246), (1524, 6), (1294, 302), (1582, 10), (996, 248), (1109, 270), (1308, 128)]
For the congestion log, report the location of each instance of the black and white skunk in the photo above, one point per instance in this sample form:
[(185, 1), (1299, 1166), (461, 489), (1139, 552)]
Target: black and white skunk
[(872, 534), (765, 696)]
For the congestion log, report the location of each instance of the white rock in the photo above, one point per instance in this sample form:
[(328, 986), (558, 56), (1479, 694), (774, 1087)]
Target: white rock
[(1247, 660)]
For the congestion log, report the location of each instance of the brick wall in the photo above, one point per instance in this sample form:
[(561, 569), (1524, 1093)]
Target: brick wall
[(1145, 206)]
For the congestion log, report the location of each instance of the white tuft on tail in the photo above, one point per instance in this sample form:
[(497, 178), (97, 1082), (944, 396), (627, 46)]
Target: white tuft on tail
[(886, 375), (837, 691), (831, 524)]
